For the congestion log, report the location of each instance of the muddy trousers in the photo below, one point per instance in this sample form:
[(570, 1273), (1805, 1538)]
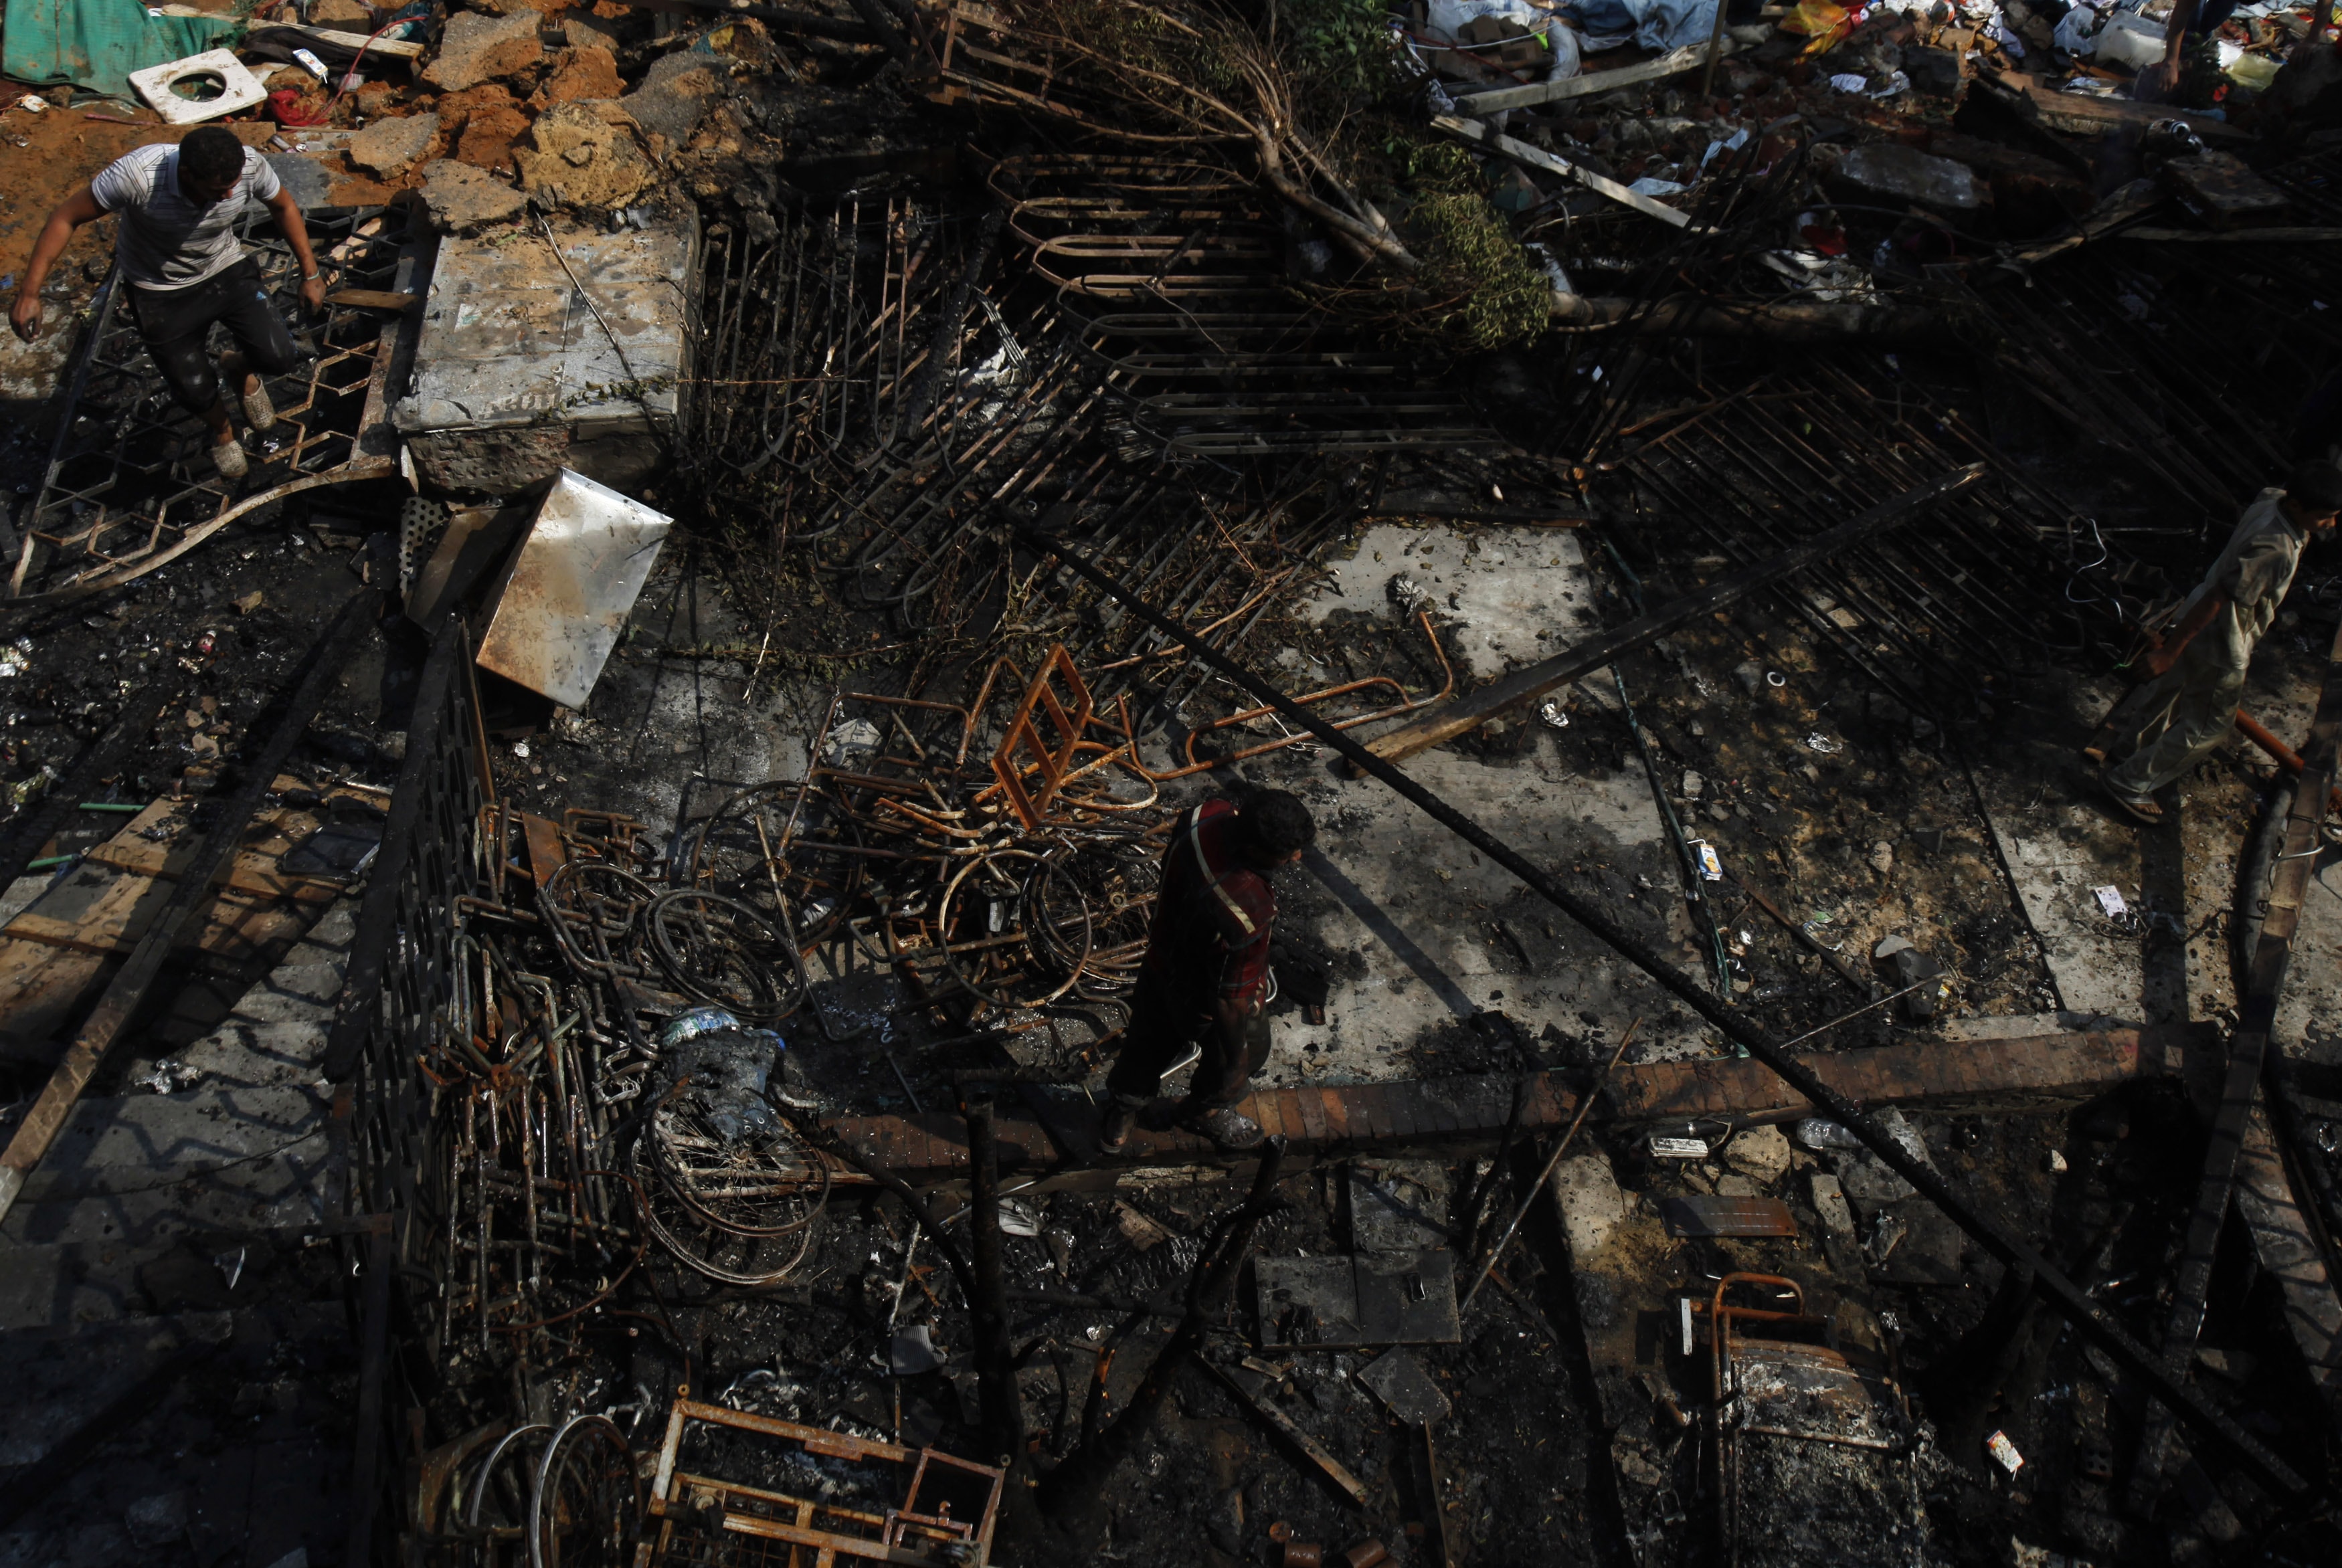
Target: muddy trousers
[(1161, 1033), (176, 323), (2174, 722)]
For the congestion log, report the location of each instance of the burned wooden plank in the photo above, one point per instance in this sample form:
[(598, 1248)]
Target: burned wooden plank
[(192, 895), (1675, 62), (1331, 1468), (1531, 157), (2023, 1071), (1722, 1216), (2077, 114)]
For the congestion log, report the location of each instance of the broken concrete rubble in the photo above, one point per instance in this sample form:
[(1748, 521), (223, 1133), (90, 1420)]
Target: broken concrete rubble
[(576, 155), (476, 48), (390, 147), (549, 348), (674, 96), (460, 199)]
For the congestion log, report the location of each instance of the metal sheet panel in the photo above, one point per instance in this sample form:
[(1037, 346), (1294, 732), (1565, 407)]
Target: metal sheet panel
[(575, 581)]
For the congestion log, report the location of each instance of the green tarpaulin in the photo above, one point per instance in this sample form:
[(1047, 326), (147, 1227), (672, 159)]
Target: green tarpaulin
[(97, 43)]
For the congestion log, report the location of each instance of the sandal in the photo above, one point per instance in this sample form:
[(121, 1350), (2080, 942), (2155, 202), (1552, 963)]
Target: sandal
[(2147, 812)]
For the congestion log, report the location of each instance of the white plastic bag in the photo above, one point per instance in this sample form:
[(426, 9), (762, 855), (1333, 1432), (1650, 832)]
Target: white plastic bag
[(2075, 30), (1672, 23), (2128, 39), (1449, 17), (1567, 58)]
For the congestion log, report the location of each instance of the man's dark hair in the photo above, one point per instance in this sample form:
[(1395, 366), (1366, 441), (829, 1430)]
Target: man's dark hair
[(212, 153), (1274, 823), (2315, 487)]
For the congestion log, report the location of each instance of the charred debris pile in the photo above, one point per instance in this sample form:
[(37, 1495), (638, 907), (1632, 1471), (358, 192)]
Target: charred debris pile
[(724, 1188)]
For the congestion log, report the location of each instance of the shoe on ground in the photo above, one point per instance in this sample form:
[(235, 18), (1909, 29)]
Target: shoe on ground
[(2147, 812), (1230, 1129), (229, 459), (259, 410), (1114, 1131)]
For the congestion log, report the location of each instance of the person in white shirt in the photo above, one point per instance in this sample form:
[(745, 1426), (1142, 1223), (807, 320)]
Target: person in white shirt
[(2189, 705), (176, 249)]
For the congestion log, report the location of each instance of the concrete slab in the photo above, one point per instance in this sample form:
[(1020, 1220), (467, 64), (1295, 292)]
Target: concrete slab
[(508, 341), (2309, 1014), (267, 1195), (2061, 852), (116, 1146), (1428, 936), (1520, 594)]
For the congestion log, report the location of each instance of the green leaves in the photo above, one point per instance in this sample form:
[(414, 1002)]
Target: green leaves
[(1339, 46)]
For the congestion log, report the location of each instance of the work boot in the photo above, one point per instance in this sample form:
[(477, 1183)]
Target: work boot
[(258, 409), (1230, 1128), (228, 458), (1114, 1131)]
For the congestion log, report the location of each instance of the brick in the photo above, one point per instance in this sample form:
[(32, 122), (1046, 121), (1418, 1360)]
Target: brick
[(1487, 1107), (1313, 1115), (1435, 1112), (1373, 1101), (1288, 1114), (1546, 1102), (1338, 1115), (1402, 1104), (1262, 1107)]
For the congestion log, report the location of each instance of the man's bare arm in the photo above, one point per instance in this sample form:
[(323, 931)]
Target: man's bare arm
[(2175, 644), (2165, 74), (296, 234), (79, 207)]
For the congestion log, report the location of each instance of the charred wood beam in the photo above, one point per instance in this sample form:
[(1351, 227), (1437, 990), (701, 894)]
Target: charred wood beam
[(1675, 62), (1526, 685), (1285, 1426), (1790, 320), (2062, 1297), (1486, 136), (191, 896), (995, 1375), (2248, 1051)]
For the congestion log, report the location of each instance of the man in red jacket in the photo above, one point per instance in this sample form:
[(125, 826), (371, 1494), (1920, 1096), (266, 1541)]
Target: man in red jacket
[(1205, 984)]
